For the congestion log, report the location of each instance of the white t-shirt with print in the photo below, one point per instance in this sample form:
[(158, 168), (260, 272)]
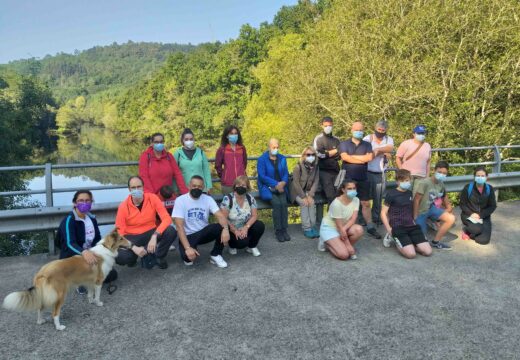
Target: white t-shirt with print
[(90, 232), (195, 212)]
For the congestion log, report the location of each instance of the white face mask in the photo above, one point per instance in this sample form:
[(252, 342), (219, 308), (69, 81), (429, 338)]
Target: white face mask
[(327, 129), (310, 159), (189, 144)]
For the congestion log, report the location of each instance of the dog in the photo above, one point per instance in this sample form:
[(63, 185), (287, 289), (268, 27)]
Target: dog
[(52, 283)]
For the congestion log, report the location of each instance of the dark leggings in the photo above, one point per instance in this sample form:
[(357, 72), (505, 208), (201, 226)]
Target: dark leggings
[(210, 233), (481, 233), (164, 241), (254, 234)]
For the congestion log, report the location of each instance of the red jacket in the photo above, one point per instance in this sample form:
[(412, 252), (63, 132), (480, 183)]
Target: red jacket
[(157, 172), (230, 163)]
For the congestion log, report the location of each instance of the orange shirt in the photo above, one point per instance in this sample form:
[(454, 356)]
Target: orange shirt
[(131, 221)]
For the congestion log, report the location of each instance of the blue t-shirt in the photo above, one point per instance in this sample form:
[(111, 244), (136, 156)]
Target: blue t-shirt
[(356, 172)]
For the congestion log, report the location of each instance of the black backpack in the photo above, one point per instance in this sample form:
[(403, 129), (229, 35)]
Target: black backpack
[(230, 197)]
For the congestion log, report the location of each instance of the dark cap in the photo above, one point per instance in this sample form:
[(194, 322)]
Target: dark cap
[(326, 119), (420, 129)]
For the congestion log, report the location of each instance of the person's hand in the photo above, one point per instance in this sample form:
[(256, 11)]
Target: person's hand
[(310, 201), (389, 230), (321, 155), (475, 216), (139, 251), (280, 186), (191, 253), (343, 234), (242, 233), (89, 257), (224, 237), (152, 244)]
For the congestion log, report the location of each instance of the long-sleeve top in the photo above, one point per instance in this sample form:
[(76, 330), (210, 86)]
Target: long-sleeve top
[(480, 203), (157, 172), (197, 165), (230, 163), (72, 234), (130, 220), (266, 174), (305, 180)]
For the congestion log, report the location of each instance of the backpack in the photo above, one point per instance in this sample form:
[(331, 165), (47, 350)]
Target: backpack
[(470, 189), (230, 197)]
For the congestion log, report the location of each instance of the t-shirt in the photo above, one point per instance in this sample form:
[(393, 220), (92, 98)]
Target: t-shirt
[(400, 212), (431, 194), (90, 232), (418, 163), (355, 171), (195, 212), (337, 210), (378, 164), (238, 216)]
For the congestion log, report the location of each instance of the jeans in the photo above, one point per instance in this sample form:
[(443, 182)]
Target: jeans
[(433, 213), (280, 212), (164, 241), (254, 234)]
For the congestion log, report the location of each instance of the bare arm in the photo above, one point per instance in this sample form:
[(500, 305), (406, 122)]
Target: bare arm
[(416, 201), (384, 218), (357, 159), (399, 162)]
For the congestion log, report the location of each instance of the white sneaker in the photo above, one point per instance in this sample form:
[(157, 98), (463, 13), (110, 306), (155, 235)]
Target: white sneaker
[(353, 257), (232, 251), (253, 251), (218, 260), (188, 263), (172, 248), (388, 240), (321, 246)]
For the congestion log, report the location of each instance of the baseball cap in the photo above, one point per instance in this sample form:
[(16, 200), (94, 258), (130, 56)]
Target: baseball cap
[(420, 129)]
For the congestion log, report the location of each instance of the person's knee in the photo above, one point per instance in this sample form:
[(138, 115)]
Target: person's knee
[(356, 230), (126, 257), (482, 239), (342, 254), (259, 226), (409, 254), (448, 218)]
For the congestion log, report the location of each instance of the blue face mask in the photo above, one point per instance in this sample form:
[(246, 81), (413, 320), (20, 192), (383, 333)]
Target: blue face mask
[(440, 177), (274, 152), (420, 137), (358, 134), (405, 185), (158, 147), (351, 194), (233, 138), (480, 180), (137, 193)]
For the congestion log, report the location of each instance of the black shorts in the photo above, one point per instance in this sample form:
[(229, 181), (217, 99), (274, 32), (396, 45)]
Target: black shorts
[(363, 189), (408, 235)]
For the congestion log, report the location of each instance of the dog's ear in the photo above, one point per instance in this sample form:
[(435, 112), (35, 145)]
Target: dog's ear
[(111, 239)]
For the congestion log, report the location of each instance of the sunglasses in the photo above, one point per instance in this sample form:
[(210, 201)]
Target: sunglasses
[(309, 155)]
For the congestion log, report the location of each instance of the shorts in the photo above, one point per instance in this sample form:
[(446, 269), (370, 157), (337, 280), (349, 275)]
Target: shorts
[(328, 232), (433, 213), (363, 189), (408, 235)]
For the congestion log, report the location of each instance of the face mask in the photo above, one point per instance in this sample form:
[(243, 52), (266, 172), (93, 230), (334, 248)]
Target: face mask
[(241, 190), (480, 180), (233, 138), (357, 134), (405, 185), (420, 137), (310, 159), (440, 177), (158, 147), (189, 144), (274, 152), (379, 135), (84, 207), (327, 130), (137, 194), (196, 193), (351, 194)]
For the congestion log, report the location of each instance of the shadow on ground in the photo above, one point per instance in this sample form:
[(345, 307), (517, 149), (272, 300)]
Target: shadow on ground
[(292, 302)]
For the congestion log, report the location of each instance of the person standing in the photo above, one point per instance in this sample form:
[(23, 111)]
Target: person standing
[(414, 155), (273, 177), (157, 168), (382, 146), (326, 146), (231, 158), (477, 203), (192, 160), (356, 154)]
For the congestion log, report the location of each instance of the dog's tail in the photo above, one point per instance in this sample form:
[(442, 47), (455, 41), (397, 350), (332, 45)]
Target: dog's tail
[(37, 297)]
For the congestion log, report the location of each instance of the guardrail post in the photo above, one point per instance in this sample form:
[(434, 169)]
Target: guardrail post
[(497, 168), (48, 203)]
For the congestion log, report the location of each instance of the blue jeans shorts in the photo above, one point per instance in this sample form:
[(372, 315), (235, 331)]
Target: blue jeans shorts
[(433, 213)]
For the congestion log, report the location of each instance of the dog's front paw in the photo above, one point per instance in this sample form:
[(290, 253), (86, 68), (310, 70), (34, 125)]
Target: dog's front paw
[(40, 321), (98, 303), (60, 327)]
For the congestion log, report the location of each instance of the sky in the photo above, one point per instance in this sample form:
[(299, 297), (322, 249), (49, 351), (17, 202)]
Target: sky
[(37, 28)]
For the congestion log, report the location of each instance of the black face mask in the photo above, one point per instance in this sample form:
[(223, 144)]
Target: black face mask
[(241, 190), (379, 135), (196, 193)]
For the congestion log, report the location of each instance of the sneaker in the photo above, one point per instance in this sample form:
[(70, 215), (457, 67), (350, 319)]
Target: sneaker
[(321, 246), (148, 261), (440, 246), (353, 257), (388, 240), (232, 251), (372, 231), (188, 263), (218, 260), (162, 263), (81, 290), (172, 248), (309, 234), (279, 236), (253, 251), (316, 233), (464, 235), (286, 235)]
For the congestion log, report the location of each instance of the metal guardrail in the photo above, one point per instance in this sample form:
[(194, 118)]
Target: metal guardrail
[(49, 217)]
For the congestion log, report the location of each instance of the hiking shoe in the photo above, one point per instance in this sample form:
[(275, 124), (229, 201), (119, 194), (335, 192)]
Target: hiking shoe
[(309, 234), (464, 235), (162, 263), (232, 251), (81, 290), (353, 257), (321, 246), (388, 240), (279, 236), (218, 261), (286, 235), (440, 246), (253, 251), (372, 231)]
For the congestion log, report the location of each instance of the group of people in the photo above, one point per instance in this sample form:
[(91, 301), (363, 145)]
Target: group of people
[(171, 198)]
